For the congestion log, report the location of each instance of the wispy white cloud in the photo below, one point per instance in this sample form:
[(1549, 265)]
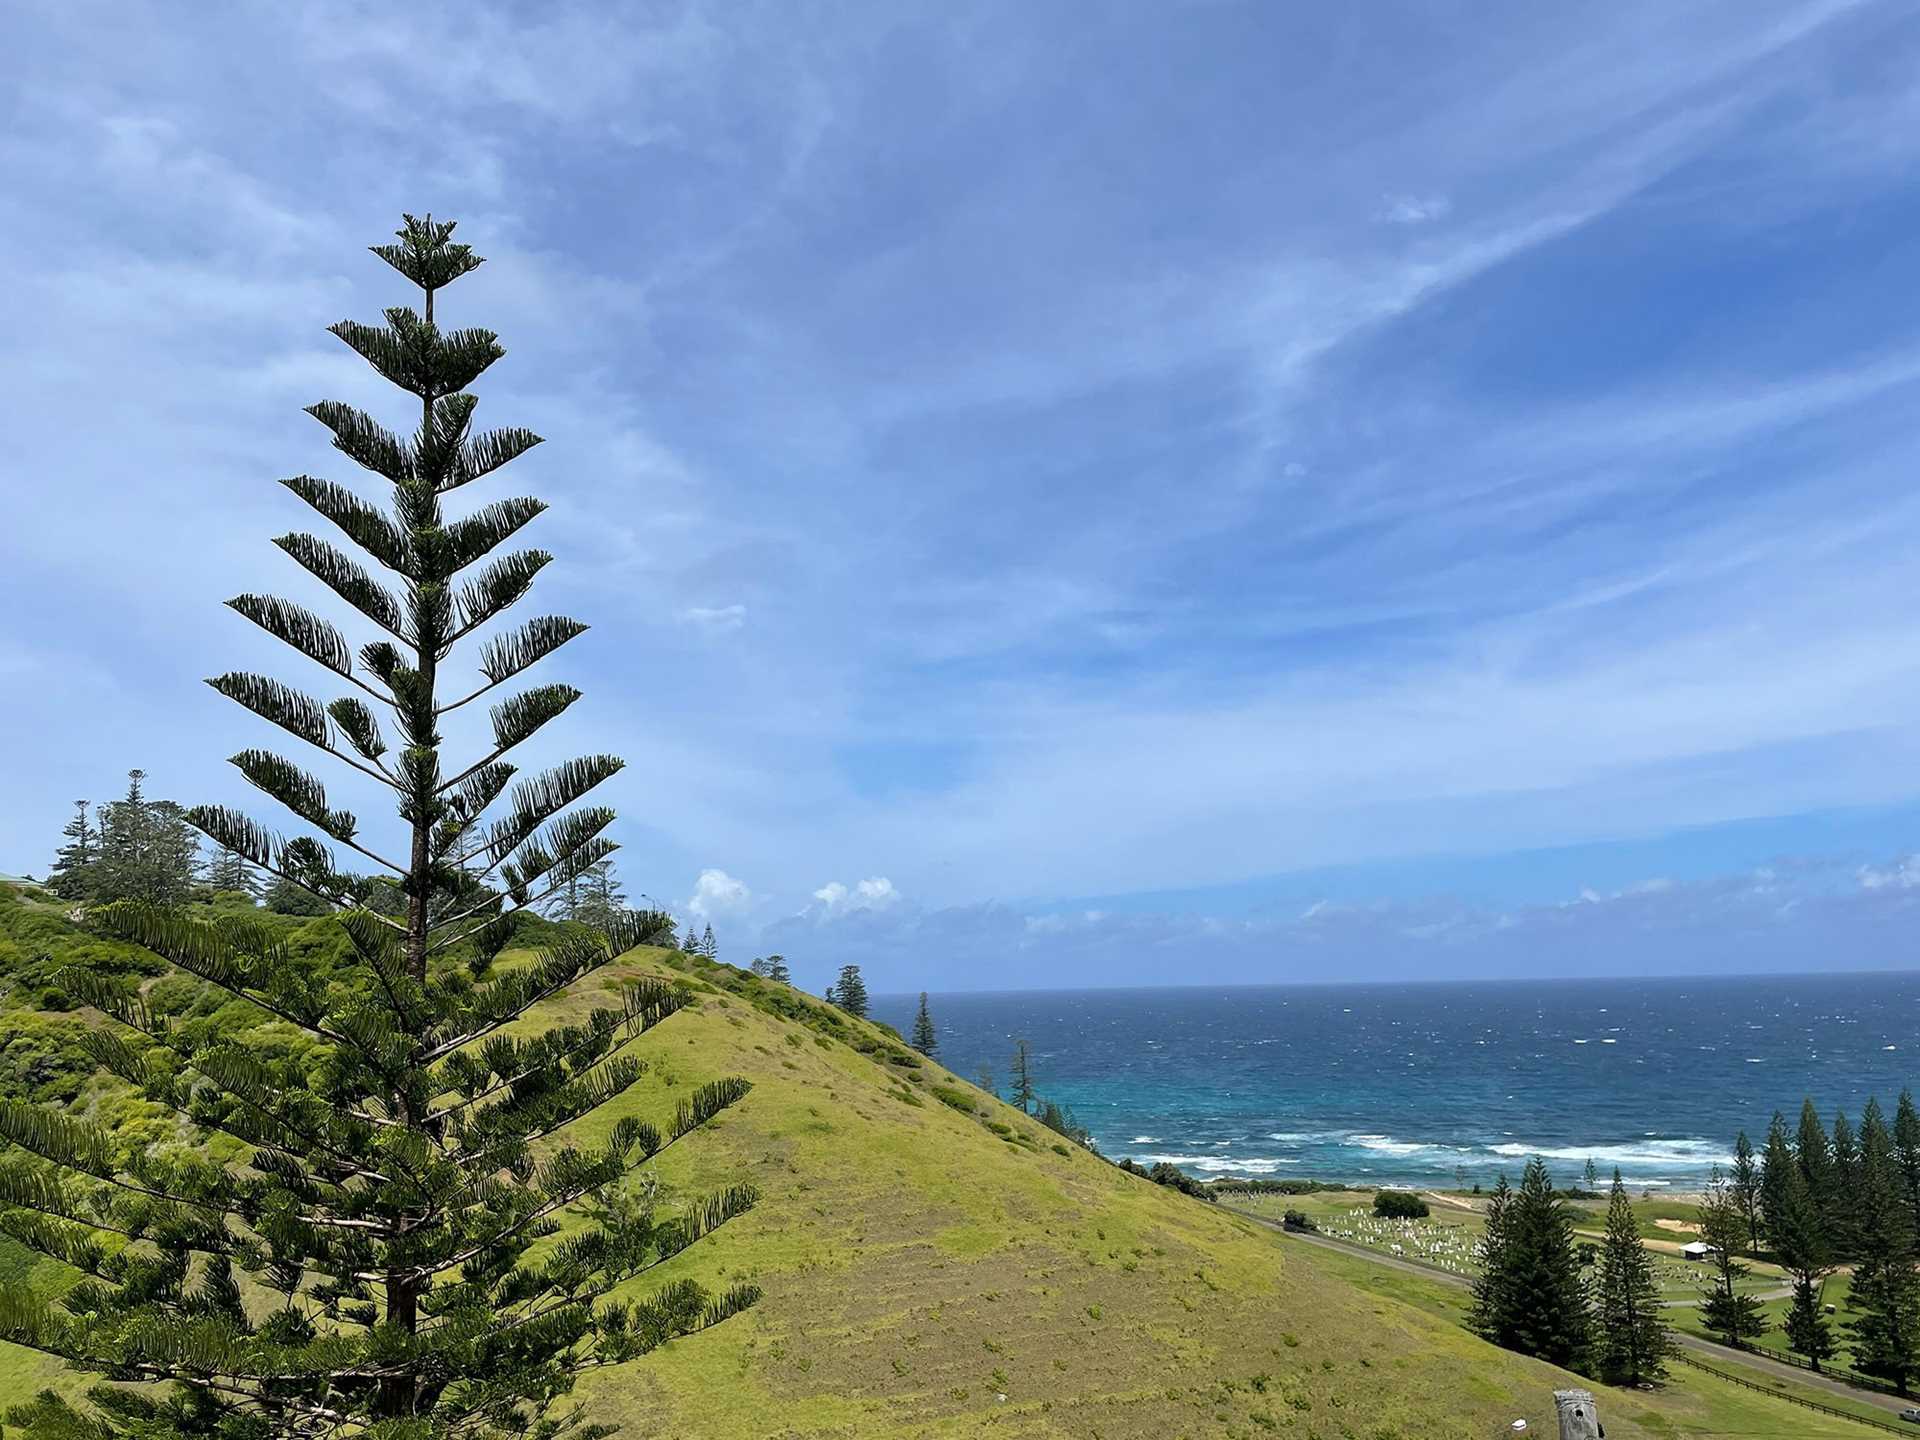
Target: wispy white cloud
[(1414, 209), (1109, 510), (834, 899), (718, 895), (715, 619)]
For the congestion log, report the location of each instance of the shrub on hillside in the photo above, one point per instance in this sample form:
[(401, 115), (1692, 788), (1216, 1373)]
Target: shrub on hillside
[(1173, 1177), (1298, 1220), (1399, 1205), (1273, 1187)]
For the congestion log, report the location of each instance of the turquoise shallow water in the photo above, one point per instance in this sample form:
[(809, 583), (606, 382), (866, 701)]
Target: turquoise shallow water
[(1419, 1083)]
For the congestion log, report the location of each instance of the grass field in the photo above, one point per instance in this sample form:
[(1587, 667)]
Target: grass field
[(1447, 1238), (1692, 1403), (937, 1265)]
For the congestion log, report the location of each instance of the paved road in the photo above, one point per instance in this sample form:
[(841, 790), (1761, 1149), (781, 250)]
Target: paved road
[(1707, 1349)]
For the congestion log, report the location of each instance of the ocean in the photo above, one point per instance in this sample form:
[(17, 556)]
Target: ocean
[(1427, 1084)]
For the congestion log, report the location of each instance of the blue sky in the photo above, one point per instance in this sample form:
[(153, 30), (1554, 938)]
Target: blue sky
[(1063, 493)]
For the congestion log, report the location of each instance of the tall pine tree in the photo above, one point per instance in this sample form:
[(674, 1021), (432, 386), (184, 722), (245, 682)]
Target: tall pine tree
[(1886, 1285), (72, 877), (229, 872), (396, 1202), (925, 1038), (1796, 1235), (1906, 1153), (1814, 1151), (1746, 1188), (1022, 1094), (148, 849), (1727, 1310), (1633, 1342), (1529, 1297), (1843, 1208), (1486, 1315), (850, 991)]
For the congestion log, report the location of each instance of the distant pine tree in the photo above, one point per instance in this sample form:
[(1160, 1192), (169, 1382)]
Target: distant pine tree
[(599, 899), (1746, 1188), (1776, 1163), (229, 872), (1060, 1119), (1486, 1316), (1792, 1226), (1906, 1153), (72, 875), (708, 946), (1814, 1151), (986, 1082), (391, 1174), (1546, 1313), (290, 897), (1592, 1175), (1886, 1285), (850, 992), (690, 942), (924, 1039), (1734, 1316), (777, 969), (1022, 1095), (148, 849), (1634, 1341), (1844, 1214)]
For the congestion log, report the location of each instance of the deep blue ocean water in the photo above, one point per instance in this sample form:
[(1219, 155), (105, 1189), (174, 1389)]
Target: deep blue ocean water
[(1408, 1083)]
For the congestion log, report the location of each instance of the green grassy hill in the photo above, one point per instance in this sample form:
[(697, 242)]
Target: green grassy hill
[(937, 1264)]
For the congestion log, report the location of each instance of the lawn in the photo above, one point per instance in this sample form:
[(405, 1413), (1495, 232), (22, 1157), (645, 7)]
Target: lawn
[(1448, 1238)]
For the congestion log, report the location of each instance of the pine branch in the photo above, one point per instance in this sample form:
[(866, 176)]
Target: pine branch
[(364, 441), (486, 453), (501, 1001), (359, 522), (426, 256), (301, 793), (495, 589), (214, 952), (479, 534), (412, 353), (299, 715), (346, 579), (77, 1145), (644, 1005), (507, 655), (560, 845), (538, 799), (582, 859), (519, 717), (300, 628), (358, 724)]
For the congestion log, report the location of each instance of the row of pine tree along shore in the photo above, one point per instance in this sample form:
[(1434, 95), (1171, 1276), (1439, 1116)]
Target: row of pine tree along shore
[(358, 1229), (1812, 1201)]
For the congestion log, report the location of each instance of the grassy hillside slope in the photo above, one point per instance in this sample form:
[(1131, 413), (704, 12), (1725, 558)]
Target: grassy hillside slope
[(936, 1264), (929, 1276)]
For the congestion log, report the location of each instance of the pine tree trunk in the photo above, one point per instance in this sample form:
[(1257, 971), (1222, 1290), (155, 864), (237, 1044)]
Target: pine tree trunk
[(399, 1393)]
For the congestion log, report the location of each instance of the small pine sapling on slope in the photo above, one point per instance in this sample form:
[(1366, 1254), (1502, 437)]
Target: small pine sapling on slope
[(405, 1156), (925, 1038)]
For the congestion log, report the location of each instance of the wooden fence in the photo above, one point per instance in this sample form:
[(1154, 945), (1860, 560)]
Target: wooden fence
[(1887, 1425)]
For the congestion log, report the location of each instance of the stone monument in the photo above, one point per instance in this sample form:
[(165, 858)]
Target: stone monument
[(1578, 1418)]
